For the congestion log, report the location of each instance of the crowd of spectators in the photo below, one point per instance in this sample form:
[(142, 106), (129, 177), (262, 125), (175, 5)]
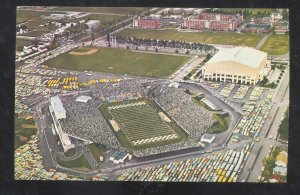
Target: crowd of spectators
[(194, 119), (124, 90), (85, 120)]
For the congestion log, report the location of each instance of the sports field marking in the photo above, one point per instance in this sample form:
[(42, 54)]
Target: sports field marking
[(78, 53)]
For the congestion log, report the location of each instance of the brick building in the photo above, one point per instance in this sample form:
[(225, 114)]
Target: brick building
[(146, 22), (213, 21)]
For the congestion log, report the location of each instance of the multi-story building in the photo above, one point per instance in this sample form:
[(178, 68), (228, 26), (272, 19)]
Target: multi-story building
[(146, 22), (213, 21), (275, 17), (281, 27)]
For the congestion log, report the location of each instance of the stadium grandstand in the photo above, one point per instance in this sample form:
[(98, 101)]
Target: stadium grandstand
[(83, 99), (151, 116)]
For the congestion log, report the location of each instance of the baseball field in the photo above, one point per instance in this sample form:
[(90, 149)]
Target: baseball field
[(118, 61)]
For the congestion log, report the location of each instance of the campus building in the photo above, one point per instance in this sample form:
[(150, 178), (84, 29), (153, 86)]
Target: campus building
[(282, 27), (146, 22), (213, 21), (243, 65), (275, 17), (92, 24)]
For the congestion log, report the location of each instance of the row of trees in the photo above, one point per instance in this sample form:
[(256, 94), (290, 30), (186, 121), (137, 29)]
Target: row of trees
[(246, 12), (164, 43)]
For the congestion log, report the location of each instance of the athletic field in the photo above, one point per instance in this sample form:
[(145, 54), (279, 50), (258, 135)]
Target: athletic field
[(277, 44), (118, 61), (223, 38), (141, 124)]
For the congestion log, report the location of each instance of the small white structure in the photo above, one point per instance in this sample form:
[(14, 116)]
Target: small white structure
[(280, 170), (174, 84), (208, 138), (120, 157), (92, 24), (83, 99), (57, 16), (58, 107)]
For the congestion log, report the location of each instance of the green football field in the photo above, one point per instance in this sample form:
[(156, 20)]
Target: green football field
[(120, 61), (139, 120), (223, 38)]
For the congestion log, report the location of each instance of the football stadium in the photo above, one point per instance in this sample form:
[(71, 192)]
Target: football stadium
[(134, 116), (141, 123)]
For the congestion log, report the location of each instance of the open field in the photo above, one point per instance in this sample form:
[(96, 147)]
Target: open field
[(70, 152), (120, 61), (112, 10), (221, 124), (33, 19), (20, 43), (223, 38), (141, 122), (106, 20), (96, 151), (277, 44), (36, 33)]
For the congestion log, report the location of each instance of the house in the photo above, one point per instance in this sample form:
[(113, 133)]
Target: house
[(280, 170), (281, 159)]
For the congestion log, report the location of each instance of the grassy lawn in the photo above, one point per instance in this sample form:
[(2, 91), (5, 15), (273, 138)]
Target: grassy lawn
[(284, 126), (36, 33), (197, 99), (277, 44), (97, 151), (113, 10), (70, 152), (123, 138), (33, 18), (80, 163), (24, 129), (120, 61), (21, 43), (224, 38), (221, 125)]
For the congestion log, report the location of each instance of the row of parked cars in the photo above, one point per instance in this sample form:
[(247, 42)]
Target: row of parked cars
[(227, 90), (29, 165), (241, 92), (254, 117), (219, 167)]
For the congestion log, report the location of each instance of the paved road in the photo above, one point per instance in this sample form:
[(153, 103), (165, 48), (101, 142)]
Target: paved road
[(281, 101), (262, 41), (93, 163)]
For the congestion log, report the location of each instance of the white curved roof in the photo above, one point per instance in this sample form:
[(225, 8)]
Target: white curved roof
[(244, 55), (83, 98)]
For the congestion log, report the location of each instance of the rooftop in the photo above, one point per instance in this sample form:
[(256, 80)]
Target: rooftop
[(57, 104), (243, 55)]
